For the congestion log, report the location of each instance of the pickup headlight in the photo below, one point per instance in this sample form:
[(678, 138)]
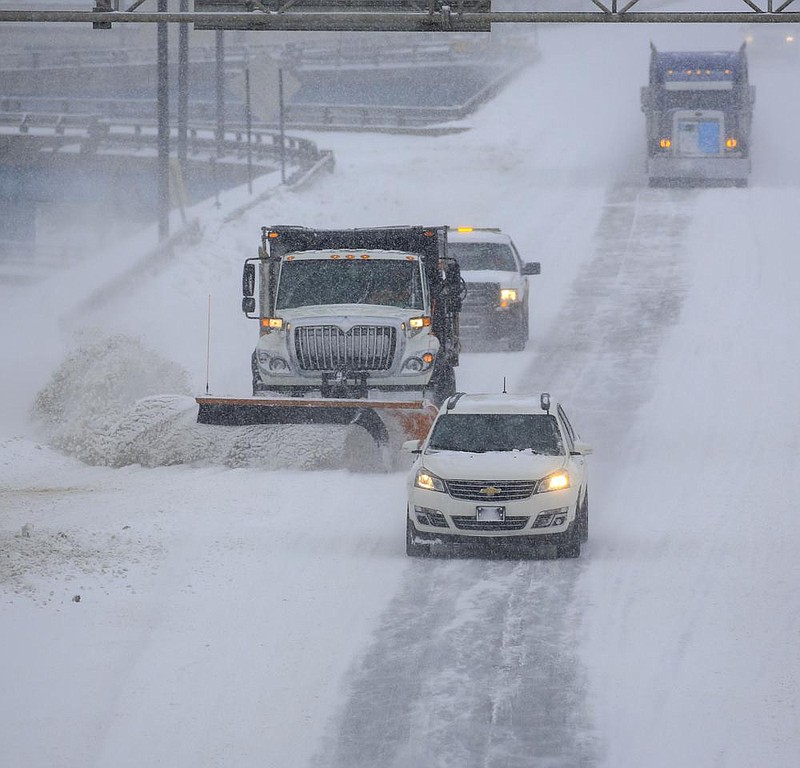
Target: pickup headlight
[(556, 481), (508, 295), (428, 481)]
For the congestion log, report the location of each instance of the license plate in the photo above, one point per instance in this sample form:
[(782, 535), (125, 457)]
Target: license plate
[(490, 514)]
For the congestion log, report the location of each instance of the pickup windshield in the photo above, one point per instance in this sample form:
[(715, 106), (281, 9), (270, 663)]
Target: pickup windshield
[(481, 432), (387, 282), (476, 256)]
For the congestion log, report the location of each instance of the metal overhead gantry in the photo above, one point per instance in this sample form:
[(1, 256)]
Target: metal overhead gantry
[(397, 15)]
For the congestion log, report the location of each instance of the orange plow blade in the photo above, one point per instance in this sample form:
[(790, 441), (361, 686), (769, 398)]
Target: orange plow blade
[(412, 417)]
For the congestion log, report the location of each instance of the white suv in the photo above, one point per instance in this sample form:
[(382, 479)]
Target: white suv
[(496, 302), (498, 469)]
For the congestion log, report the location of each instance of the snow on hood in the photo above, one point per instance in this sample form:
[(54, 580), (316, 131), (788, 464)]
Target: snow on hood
[(492, 465), (488, 275)]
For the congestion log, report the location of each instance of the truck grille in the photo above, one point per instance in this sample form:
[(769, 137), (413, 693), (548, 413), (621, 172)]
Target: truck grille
[(329, 348), (481, 300), (503, 490)]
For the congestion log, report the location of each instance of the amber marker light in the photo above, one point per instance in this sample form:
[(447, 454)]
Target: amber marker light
[(665, 143), (427, 358), (272, 235), (465, 229), (731, 143)]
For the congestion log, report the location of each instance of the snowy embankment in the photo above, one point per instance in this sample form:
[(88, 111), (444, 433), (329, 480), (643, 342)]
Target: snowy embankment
[(236, 616)]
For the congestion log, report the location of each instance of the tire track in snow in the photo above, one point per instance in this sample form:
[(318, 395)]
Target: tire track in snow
[(476, 662)]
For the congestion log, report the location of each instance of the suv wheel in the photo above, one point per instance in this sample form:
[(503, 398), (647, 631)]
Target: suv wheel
[(570, 546), (413, 549)]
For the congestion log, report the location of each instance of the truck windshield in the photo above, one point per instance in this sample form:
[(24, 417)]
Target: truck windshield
[(481, 432), (476, 256), (386, 282)]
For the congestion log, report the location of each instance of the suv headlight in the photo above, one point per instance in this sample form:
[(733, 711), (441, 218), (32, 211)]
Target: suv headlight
[(428, 481), (556, 481)]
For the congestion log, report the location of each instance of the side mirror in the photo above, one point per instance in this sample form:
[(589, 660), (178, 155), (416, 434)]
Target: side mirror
[(248, 280), (412, 446), (248, 305), (581, 448), (531, 268)]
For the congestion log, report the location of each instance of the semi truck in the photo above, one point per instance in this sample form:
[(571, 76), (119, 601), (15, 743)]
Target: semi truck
[(356, 326), (698, 107)]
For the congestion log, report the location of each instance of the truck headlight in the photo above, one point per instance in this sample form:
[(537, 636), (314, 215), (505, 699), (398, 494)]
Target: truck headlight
[(271, 362), (428, 481), (278, 365), (556, 481), (416, 325), (509, 295), (418, 364)]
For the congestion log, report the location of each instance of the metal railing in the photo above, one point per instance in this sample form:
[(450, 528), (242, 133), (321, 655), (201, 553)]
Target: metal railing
[(94, 133)]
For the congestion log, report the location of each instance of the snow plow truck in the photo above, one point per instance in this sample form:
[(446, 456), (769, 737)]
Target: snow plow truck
[(356, 326)]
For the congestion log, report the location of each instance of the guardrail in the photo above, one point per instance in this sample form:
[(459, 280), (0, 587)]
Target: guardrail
[(94, 133)]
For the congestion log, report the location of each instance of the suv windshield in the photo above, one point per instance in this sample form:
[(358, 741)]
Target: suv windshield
[(307, 282), (481, 432), (475, 256)]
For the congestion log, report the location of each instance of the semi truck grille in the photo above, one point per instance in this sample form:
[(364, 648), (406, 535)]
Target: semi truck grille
[(502, 490), (329, 348)]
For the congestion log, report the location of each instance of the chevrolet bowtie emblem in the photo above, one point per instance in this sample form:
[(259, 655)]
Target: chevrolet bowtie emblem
[(490, 491)]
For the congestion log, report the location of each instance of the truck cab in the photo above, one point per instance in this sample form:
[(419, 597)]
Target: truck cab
[(698, 107), (495, 306), (350, 322)]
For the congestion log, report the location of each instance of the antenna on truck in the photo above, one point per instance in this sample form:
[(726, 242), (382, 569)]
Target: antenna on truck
[(208, 342)]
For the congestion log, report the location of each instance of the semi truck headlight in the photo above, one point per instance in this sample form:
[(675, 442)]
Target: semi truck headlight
[(428, 481), (557, 481)]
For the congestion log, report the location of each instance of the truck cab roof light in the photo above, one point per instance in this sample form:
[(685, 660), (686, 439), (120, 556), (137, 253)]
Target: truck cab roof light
[(544, 400)]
